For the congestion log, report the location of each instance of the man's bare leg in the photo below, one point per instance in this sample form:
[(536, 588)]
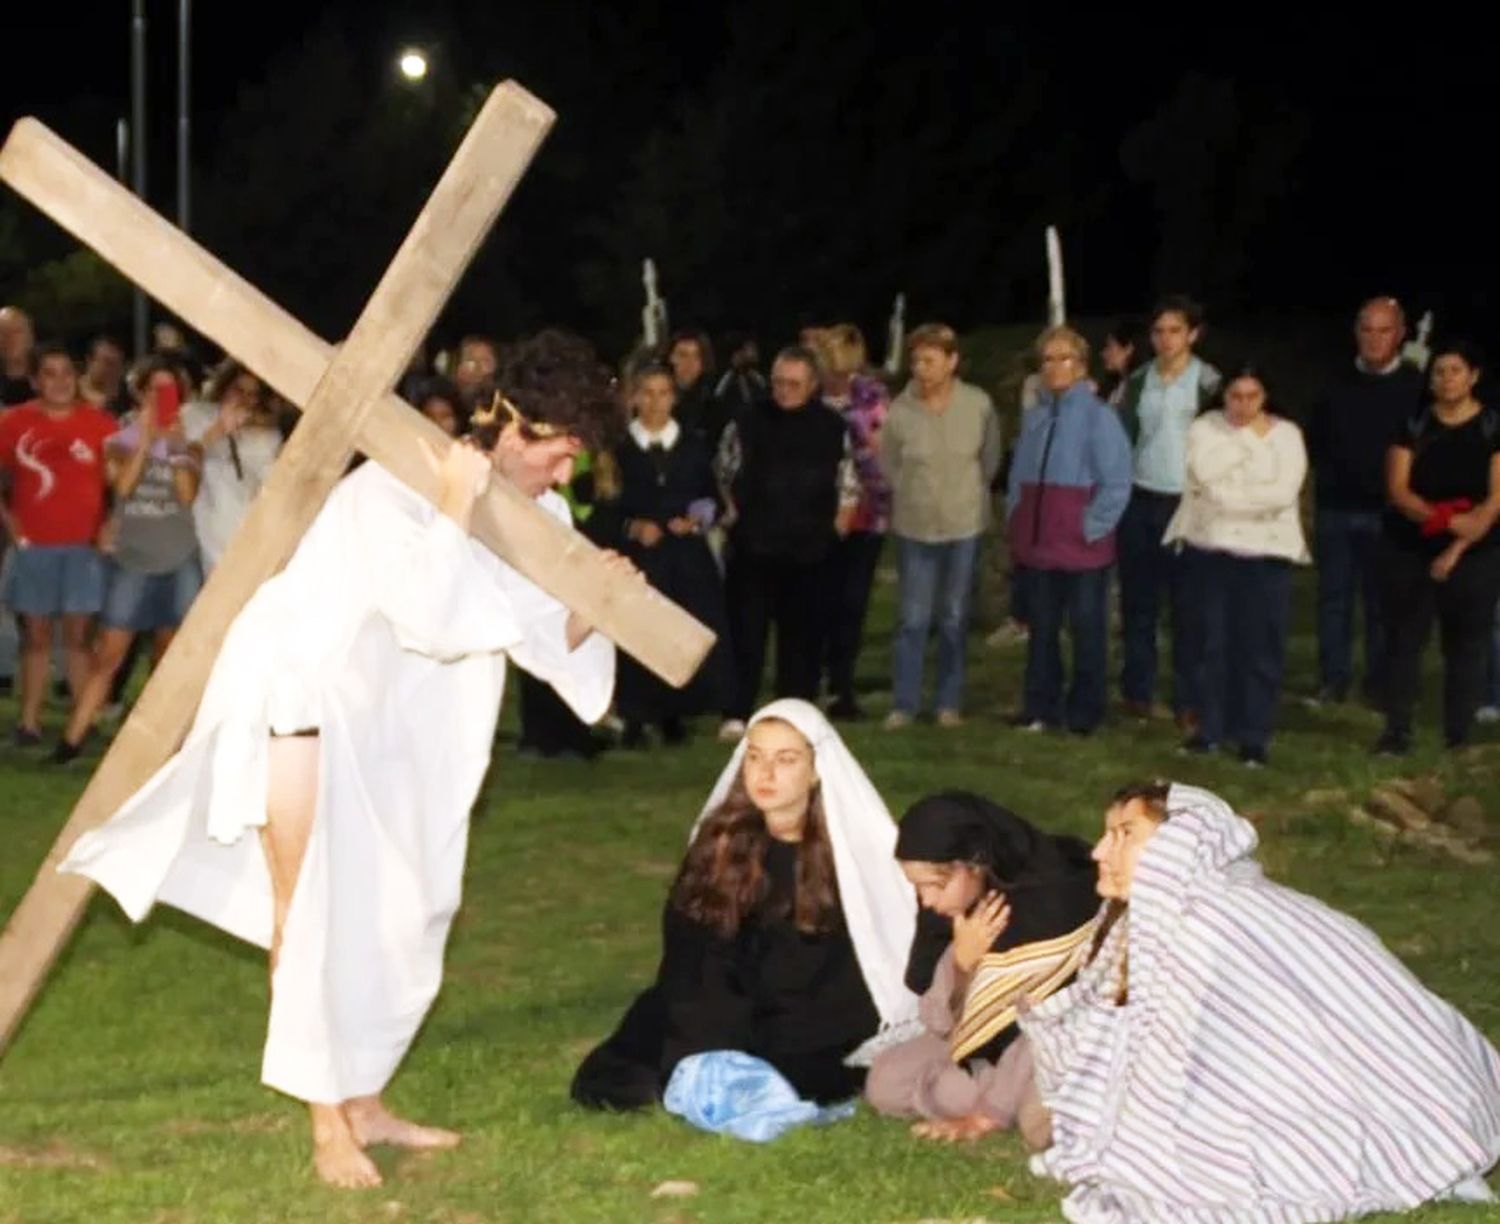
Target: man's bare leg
[(292, 800)]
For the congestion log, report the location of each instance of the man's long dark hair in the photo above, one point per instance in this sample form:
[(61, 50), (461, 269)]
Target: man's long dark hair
[(556, 378)]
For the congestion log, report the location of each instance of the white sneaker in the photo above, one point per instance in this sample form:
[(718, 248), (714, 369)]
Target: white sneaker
[(949, 718), (1487, 714), (731, 731), (897, 720)]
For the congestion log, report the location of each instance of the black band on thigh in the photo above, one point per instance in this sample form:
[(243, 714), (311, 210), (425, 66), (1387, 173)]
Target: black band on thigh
[(303, 733)]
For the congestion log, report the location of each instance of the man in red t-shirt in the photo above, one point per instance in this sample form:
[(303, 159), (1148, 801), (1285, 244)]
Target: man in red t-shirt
[(52, 455)]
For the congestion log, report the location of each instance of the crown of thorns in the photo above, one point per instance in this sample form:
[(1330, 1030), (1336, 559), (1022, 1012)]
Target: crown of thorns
[(500, 404)]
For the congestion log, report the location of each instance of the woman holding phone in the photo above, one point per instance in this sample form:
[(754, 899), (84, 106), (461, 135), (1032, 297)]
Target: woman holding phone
[(154, 569)]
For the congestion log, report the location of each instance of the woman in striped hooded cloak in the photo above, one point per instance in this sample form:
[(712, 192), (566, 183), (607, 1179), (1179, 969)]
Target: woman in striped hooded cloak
[(1239, 1052)]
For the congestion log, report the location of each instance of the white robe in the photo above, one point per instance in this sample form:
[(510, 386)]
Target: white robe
[(388, 631)]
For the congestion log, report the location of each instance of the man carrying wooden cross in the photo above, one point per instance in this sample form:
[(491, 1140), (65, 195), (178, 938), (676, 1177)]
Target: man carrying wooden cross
[(352, 698), (348, 722)]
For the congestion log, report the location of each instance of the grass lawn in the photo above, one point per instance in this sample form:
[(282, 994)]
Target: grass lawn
[(132, 1092)]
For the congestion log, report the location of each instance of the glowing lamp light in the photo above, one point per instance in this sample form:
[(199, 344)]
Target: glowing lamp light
[(413, 65)]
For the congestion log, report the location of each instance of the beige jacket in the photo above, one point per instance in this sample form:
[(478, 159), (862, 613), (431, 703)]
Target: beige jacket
[(940, 464), (1242, 490)]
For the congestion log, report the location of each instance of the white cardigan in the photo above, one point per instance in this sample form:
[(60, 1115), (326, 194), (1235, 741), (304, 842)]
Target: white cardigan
[(1241, 493)]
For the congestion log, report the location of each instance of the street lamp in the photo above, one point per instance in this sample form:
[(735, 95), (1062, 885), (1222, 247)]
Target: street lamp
[(413, 64)]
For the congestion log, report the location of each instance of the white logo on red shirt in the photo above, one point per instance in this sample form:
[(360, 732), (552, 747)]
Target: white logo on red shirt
[(26, 456)]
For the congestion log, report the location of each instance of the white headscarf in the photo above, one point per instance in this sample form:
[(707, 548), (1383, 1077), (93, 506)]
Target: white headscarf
[(880, 907)]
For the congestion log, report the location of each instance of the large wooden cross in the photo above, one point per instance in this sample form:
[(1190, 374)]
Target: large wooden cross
[(347, 405)]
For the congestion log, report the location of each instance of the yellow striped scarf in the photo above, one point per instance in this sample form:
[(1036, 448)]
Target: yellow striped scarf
[(1032, 971)]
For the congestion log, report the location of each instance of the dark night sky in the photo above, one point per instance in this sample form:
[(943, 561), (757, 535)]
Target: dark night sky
[(1384, 195)]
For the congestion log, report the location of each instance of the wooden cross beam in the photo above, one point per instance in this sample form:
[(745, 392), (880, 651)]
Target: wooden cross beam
[(347, 404)]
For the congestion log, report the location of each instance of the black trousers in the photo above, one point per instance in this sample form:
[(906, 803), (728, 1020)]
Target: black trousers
[(548, 724), (851, 575), (790, 595), (1464, 606)]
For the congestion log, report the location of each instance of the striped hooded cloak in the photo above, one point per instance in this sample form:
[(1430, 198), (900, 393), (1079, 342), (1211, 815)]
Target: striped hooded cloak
[(1273, 1062)]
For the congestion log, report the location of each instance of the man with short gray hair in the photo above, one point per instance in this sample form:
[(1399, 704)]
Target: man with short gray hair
[(1348, 433)]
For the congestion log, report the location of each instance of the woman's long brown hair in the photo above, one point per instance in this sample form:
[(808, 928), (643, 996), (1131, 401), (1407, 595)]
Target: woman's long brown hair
[(723, 877)]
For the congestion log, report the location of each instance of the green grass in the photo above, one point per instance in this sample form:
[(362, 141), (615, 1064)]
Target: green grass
[(132, 1092)]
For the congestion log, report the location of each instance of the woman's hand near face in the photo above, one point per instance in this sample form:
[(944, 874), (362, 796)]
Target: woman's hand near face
[(682, 526), (233, 414), (975, 932)]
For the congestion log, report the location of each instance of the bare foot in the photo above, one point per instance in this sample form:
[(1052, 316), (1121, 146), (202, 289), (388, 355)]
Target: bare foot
[(371, 1122), (337, 1154), (955, 1130)]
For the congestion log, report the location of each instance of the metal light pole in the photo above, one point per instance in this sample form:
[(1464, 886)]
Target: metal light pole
[(138, 122), (184, 61)]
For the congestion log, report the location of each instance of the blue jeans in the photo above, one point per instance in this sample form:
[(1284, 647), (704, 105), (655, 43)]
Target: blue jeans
[(54, 580), (1020, 594), (1148, 571), (1082, 598), (935, 582), (1347, 543), (1245, 605), (145, 602), (1491, 692)]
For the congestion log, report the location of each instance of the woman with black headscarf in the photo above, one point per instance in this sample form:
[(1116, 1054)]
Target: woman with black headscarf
[(1007, 912)]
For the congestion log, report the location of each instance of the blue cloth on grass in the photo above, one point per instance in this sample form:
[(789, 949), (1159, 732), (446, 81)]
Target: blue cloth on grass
[(733, 1093)]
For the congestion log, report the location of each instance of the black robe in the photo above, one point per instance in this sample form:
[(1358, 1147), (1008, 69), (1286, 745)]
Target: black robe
[(658, 485), (1048, 879), (798, 1001)]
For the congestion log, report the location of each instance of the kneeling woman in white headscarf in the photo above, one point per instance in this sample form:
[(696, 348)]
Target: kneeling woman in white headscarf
[(1239, 1053), (786, 932)]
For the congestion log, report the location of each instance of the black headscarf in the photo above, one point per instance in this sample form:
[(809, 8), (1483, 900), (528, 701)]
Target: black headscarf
[(1048, 879)]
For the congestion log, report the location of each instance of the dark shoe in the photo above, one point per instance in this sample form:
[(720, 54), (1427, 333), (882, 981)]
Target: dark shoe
[(1453, 742), (845, 709), (634, 736), (1081, 732), (673, 731), (1136, 709), (65, 753), (7, 686), (1392, 743), (1197, 745), (1253, 758), (25, 737)]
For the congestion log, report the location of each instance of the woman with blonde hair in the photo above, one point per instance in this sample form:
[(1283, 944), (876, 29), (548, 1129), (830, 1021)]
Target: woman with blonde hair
[(1069, 484)]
